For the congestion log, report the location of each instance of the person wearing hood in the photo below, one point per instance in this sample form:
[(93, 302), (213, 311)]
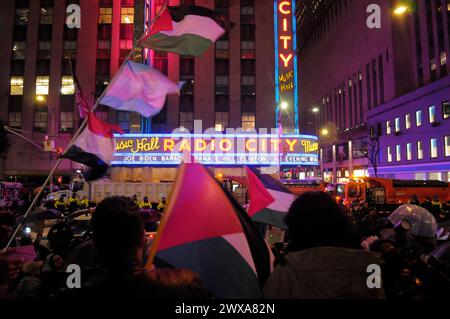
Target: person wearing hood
[(324, 259)]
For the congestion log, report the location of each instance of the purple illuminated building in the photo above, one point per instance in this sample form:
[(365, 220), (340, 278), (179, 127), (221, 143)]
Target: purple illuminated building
[(355, 76)]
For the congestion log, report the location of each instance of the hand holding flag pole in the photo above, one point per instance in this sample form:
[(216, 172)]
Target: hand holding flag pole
[(78, 132)]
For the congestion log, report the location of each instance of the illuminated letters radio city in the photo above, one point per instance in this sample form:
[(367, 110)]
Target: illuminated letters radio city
[(286, 64), (217, 149)]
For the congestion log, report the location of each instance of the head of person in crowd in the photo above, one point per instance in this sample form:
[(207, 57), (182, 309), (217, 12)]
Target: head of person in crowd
[(60, 237), (146, 199), (178, 283), (134, 198), (316, 220), (118, 231)]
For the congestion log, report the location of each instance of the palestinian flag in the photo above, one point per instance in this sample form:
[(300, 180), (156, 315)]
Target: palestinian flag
[(270, 200), (94, 147), (206, 231), (186, 30)]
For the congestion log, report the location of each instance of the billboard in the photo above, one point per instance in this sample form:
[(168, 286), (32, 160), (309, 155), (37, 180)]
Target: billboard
[(216, 149)]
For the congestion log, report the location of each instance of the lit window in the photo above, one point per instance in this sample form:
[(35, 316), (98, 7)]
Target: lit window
[(104, 45), (447, 145), (126, 44), (67, 86), (397, 124), (17, 85), (102, 115), (105, 15), (45, 45), (66, 121), (388, 127), (446, 110), (15, 119), (409, 151), (187, 120), (42, 85), (248, 45), (389, 154), (398, 153), (248, 121), (419, 150), (221, 121), (433, 148), (408, 121), (448, 173), (432, 114), (127, 15), (419, 118)]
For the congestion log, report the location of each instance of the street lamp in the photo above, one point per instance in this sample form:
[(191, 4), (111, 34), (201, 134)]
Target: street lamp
[(284, 105), (325, 132), (400, 10), (40, 98), (315, 109)]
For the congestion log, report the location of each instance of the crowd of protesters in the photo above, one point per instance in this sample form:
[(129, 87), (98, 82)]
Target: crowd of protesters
[(326, 255)]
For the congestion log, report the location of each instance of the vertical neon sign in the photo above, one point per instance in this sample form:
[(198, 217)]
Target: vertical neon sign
[(286, 69)]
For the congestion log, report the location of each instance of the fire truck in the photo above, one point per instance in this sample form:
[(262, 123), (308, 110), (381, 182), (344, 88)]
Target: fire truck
[(390, 193)]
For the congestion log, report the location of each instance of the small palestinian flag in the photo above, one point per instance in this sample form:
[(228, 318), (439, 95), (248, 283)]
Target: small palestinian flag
[(186, 30), (206, 231), (94, 147), (270, 200)]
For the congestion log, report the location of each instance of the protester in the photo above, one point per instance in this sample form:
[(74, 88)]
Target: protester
[(324, 258), (122, 257), (162, 204)]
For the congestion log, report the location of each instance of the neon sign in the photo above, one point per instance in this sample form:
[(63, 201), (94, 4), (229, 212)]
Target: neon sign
[(216, 149), (286, 63)]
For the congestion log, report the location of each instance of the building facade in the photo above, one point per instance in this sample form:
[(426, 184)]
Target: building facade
[(356, 58), (231, 86)]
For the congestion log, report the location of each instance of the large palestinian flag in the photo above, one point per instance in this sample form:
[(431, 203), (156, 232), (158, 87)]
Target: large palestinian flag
[(94, 147), (186, 30), (206, 231), (270, 200)]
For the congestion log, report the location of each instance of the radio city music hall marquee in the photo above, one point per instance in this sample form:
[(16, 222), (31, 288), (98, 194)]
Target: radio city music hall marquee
[(219, 149)]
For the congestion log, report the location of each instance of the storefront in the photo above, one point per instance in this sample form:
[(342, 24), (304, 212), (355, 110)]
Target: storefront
[(155, 157)]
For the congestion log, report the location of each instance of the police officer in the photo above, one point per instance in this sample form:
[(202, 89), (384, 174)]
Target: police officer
[(84, 203), (162, 204), (73, 203), (145, 204), (60, 204)]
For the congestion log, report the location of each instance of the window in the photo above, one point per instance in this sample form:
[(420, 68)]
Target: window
[(419, 118), (248, 80), (46, 16), (222, 80), (397, 124), (21, 16), (42, 85), (447, 145), (221, 121), (389, 154), (127, 15), (432, 114), (409, 151), (105, 16), (419, 150), (446, 110), (248, 121), (66, 121), (67, 86), (222, 45), (433, 148), (388, 127), (408, 121), (398, 153), (187, 120), (123, 119), (15, 111), (16, 85), (15, 119), (40, 121)]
